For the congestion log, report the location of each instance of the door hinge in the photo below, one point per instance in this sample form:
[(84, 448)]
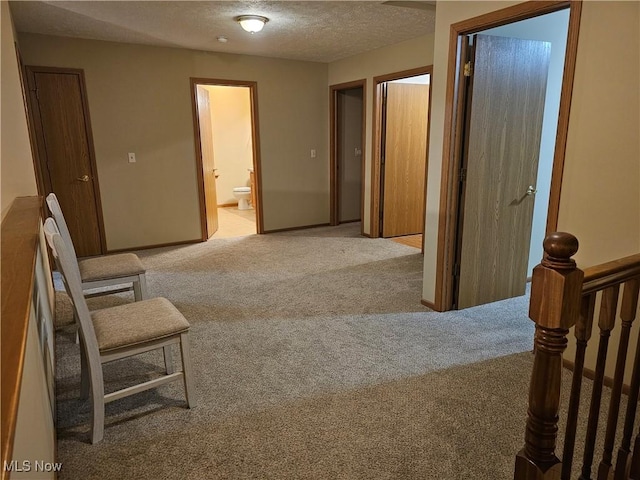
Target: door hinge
[(35, 91), (468, 69), (456, 270), (463, 174)]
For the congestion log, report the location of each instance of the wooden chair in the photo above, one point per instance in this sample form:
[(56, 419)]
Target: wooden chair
[(119, 332), (106, 270)]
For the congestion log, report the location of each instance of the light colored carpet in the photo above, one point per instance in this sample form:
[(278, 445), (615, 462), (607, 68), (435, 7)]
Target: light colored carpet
[(313, 359)]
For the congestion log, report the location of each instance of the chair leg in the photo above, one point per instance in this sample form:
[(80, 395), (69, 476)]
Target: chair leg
[(168, 359), (97, 406), (85, 387), (140, 288), (76, 327), (187, 372)]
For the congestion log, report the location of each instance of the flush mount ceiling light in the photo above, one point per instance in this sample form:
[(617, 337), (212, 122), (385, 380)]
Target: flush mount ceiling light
[(252, 23)]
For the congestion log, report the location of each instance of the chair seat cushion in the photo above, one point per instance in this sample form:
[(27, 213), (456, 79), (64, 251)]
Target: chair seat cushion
[(110, 266), (135, 323)]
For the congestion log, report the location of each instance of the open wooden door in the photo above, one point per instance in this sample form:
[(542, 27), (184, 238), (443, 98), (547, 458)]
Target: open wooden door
[(59, 112), (208, 164), (406, 112), (505, 106)]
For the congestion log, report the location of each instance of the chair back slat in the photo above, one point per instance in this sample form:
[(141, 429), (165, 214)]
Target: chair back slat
[(71, 275), (63, 230)]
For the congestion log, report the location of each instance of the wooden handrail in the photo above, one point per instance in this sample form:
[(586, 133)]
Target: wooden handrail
[(611, 273), (562, 296), (20, 233)]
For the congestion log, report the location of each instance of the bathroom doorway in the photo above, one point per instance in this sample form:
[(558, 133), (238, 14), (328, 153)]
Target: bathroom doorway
[(227, 157)]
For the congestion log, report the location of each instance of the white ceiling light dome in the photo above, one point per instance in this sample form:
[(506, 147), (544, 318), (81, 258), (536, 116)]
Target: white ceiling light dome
[(252, 23)]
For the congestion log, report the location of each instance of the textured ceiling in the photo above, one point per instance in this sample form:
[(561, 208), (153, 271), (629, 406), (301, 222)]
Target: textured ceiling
[(320, 31)]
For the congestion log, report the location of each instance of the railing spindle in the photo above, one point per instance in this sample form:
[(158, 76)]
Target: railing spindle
[(554, 307), (628, 314), (616, 393), (606, 321), (635, 460), (584, 327)]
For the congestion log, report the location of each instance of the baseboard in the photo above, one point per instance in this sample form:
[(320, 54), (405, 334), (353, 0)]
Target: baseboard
[(235, 204), (290, 229), (591, 374), (159, 245)]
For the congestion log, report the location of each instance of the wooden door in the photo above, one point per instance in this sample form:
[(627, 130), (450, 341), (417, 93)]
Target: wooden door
[(208, 164), (349, 153), (405, 158), (500, 165), (64, 145)]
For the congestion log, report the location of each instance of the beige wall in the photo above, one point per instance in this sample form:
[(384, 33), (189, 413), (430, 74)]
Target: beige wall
[(16, 170), (414, 53), (232, 145), (447, 13), (600, 202), (139, 100)]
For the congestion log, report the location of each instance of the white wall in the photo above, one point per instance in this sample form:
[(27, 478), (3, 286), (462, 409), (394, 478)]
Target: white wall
[(550, 28), (232, 143)]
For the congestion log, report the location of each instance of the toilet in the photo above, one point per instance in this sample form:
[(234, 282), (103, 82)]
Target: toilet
[(243, 194)]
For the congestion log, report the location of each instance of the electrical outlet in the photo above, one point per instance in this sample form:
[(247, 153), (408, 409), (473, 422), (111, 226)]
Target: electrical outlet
[(313, 153), (132, 157)]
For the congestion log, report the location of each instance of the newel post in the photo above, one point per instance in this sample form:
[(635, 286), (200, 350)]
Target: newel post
[(554, 307)]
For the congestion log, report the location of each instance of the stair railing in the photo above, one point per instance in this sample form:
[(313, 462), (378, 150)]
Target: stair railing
[(563, 296)]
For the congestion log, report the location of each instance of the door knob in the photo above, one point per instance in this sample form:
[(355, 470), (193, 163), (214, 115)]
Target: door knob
[(531, 190), (84, 178)]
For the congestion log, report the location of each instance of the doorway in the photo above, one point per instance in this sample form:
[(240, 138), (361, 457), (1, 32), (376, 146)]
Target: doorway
[(63, 146), (401, 137), (467, 246), (347, 151), (227, 156)]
